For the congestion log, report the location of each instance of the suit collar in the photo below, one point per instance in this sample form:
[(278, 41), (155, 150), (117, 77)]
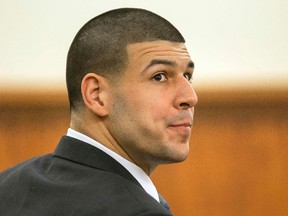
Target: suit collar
[(80, 152)]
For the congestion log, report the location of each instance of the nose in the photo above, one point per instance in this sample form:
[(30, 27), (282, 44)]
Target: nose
[(186, 96)]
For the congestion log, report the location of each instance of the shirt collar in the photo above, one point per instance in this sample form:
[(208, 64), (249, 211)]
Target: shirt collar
[(135, 170)]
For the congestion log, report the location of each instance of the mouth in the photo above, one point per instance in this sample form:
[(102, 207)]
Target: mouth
[(181, 124), (182, 127)]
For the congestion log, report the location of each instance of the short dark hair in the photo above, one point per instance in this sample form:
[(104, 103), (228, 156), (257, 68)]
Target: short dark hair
[(100, 45)]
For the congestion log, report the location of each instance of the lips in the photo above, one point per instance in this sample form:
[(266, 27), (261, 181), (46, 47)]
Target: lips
[(183, 127), (181, 123)]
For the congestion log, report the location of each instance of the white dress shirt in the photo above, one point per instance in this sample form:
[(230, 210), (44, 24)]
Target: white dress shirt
[(135, 170)]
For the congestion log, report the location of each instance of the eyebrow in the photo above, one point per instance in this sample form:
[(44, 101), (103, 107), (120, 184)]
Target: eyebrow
[(166, 62)]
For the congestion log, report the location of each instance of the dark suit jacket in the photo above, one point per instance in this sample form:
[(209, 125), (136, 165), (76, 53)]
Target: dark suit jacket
[(77, 179)]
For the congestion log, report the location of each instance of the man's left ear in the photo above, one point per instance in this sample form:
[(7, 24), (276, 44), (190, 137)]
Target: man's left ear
[(95, 93)]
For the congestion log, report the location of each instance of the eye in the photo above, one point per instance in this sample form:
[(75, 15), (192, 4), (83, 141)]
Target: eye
[(188, 76), (160, 77)]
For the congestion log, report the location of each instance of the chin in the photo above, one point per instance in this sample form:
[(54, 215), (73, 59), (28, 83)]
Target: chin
[(176, 155), (172, 160), (181, 158), (180, 152)]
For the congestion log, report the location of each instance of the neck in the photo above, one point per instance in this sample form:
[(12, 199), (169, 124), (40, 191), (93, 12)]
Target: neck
[(95, 128)]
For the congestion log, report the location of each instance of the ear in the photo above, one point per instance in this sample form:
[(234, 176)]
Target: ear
[(95, 93)]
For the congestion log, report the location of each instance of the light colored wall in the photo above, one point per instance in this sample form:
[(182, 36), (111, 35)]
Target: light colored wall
[(240, 43)]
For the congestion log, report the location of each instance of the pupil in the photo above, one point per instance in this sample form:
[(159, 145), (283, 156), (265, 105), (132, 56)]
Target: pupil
[(158, 77)]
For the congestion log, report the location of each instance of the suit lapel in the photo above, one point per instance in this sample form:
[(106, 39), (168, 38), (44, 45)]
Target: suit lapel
[(83, 153)]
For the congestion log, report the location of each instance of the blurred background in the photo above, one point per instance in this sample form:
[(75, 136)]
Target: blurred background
[(238, 162)]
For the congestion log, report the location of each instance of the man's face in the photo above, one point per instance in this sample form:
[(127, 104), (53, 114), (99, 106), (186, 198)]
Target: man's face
[(153, 104)]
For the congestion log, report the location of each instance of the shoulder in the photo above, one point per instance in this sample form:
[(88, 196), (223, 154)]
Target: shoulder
[(52, 185), (23, 168)]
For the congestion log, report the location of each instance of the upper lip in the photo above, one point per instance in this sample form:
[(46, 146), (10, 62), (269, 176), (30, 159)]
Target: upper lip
[(183, 119), (185, 123)]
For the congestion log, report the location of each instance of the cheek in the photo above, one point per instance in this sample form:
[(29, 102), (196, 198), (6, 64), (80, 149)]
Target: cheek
[(145, 104)]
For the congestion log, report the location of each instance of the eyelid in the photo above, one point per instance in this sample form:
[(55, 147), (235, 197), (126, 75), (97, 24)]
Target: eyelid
[(190, 76), (160, 73)]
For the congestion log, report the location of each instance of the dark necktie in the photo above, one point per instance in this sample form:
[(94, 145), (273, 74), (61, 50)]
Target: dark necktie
[(163, 202)]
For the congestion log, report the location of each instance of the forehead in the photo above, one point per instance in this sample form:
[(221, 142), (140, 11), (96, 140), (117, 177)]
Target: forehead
[(146, 51)]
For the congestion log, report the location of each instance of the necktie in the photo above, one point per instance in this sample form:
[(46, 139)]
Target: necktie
[(163, 202)]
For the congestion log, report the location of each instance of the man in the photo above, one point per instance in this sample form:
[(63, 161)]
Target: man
[(132, 104)]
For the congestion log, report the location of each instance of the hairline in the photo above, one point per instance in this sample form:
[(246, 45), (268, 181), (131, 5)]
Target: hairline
[(114, 73)]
